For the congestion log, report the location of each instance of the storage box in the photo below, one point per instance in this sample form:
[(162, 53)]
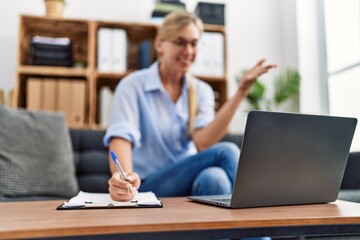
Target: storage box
[(211, 13)]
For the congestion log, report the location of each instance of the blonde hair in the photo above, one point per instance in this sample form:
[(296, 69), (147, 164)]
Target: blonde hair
[(173, 23), (177, 20), (192, 104)]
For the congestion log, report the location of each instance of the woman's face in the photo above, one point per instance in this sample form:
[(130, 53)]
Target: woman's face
[(179, 51)]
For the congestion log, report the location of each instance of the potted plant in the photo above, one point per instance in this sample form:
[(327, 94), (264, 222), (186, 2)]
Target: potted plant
[(286, 87), (54, 8)]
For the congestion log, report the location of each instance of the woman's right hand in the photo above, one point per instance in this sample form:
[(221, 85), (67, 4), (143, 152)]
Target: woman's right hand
[(252, 74), (119, 188)]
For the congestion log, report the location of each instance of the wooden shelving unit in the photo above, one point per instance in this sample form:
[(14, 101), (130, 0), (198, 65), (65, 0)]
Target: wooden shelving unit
[(83, 35), (52, 71)]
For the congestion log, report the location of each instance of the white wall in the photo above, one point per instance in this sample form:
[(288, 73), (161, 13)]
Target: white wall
[(8, 36), (312, 57), (255, 29), (260, 29)]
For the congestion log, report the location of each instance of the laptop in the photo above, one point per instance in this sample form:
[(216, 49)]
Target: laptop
[(289, 159)]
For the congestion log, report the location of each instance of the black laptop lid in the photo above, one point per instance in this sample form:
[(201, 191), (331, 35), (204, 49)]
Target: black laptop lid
[(289, 158)]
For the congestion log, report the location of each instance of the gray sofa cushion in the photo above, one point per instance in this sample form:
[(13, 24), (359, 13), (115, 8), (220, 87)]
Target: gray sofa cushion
[(91, 160), (352, 195), (36, 157)]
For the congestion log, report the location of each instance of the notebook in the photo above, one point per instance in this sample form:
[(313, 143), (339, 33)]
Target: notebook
[(288, 159)]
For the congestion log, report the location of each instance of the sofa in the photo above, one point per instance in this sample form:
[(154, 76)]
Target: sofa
[(92, 171)]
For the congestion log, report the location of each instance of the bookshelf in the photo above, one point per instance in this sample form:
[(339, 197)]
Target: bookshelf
[(84, 36)]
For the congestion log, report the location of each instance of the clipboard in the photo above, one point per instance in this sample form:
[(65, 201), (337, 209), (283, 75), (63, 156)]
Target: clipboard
[(85, 200)]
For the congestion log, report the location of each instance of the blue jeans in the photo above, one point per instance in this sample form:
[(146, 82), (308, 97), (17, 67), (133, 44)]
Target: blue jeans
[(209, 172)]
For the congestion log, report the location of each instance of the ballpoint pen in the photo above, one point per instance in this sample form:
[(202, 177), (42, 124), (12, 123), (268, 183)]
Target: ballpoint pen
[(113, 156)]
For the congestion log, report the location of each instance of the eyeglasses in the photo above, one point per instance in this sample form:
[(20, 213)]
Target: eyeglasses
[(182, 43)]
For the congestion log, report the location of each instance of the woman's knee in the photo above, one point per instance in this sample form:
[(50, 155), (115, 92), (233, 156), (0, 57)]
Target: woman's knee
[(212, 181), (228, 150), (230, 147)]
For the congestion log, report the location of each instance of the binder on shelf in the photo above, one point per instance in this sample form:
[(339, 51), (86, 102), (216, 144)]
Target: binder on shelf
[(49, 94), (71, 98), (64, 98), (104, 60), (112, 50), (106, 99), (78, 99), (210, 57), (217, 41), (146, 54), (120, 50), (33, 94)]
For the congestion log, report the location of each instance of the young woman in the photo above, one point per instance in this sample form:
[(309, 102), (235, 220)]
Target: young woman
[(163, 126)]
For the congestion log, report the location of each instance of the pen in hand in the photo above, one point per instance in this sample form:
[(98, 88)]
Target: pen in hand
[(113, 156)]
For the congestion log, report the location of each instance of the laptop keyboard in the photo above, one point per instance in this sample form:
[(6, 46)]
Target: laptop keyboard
[(223, 200)]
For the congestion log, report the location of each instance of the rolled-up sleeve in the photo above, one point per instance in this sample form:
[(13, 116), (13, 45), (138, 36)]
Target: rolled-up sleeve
[(124, 120), (125, 131), (206, 104)]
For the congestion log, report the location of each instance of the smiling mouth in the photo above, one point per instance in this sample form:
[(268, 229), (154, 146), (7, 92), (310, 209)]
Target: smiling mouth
[(185, 61)]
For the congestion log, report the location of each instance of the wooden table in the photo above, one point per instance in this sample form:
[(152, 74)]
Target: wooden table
[(179, 219)]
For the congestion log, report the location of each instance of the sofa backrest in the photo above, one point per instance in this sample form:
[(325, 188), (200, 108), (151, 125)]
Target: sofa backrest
[(91, 161), (92, 166), (351, 178), (91, 158)]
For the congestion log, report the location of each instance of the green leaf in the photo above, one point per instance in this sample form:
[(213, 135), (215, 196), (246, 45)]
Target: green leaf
[(287, 86), (256, 95)]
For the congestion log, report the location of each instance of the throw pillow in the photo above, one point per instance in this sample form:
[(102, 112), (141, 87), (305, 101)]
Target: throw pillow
[(36, 156)]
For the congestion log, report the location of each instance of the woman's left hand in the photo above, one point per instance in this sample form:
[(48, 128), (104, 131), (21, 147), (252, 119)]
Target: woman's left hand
[(251, 75)]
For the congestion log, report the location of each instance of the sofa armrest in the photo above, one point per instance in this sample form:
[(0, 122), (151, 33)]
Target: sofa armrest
[(234, 138), (351, 178)]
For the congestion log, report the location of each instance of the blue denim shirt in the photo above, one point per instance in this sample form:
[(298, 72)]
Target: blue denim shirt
[(144, 114)]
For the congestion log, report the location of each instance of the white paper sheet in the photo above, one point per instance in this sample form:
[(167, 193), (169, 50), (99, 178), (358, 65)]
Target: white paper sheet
[(103, 200)]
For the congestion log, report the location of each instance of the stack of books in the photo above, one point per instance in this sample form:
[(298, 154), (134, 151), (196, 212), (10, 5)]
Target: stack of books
[(48, 51), (163, 7)]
